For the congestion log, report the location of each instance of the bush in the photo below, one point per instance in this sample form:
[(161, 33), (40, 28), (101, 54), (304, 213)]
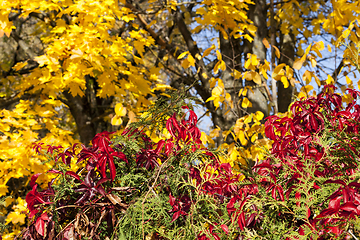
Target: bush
[(134, 188)]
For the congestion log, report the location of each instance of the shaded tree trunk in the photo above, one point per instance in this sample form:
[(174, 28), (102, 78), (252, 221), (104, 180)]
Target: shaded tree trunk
[(88, 111), (258, 97), (81, 111), (287, 43)]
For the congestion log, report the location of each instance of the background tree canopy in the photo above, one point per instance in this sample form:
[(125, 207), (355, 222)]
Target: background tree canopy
[(71, 69)]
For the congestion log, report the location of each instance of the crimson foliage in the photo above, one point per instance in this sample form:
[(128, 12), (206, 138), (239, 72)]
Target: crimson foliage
[(132, 188)]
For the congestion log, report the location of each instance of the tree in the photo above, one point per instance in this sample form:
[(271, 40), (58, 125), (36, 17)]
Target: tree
[(71, 69)]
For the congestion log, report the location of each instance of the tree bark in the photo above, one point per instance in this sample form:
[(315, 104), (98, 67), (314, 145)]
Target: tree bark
[(81, 111), (287, 43), (258, 97)]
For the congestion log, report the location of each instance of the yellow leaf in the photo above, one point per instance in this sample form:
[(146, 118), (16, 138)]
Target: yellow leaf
[(217, 91), (198, 56), (222, 65), (120, 110), (116, 120), (348, 80), (197, 29), (254, 137), (76, 54), (319, 45), (7, 32), (228, 99), (285, 81), (313, 62), (216, 67), (277, 52), (246, 103), (307, 76), (206, 139), (247, 63), (220, 83), (182, 55), (208, 51), (242, 138), (191, 60), (346, 33), (249, 75), (258, 116), (304, 91), (330, 80), (263, 71), (213, 82), (132, 116), (16, 217), (185, 63), (254, 60), (9, 200), (317, 51), (226, 133), (234, 155), (317, 80), (19, 66), (302, 95), (266, 43), (307, 50), (215, 132), (237, 74), (169, 23), (243, 91), (218, 55), (329, 48), (257, 78), (248, 118), (298, 63), (278, 68), (42, 60)]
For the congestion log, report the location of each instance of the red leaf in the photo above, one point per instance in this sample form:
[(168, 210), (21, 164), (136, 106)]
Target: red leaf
[(349, 207), (335, 203), (160, 145), (112, 168), (308, 212), (55, 171), (175, 216), (226, 167), (241, 221), (72, 174), (216, 236), (33, 179), (335, 230), (171, 200), (335, 181), (345, 114), (273, 193), (354, 184), (225, 228), (40, 224), (281, 192)]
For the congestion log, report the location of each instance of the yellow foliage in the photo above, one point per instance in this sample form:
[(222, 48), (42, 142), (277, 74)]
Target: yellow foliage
[(88, 46)]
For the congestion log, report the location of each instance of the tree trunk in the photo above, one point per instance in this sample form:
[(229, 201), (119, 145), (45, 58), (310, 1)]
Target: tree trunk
[(287, 43), (258, 97), (81, 111)]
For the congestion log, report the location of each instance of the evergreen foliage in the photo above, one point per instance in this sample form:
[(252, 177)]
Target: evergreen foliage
[(133, 188)]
